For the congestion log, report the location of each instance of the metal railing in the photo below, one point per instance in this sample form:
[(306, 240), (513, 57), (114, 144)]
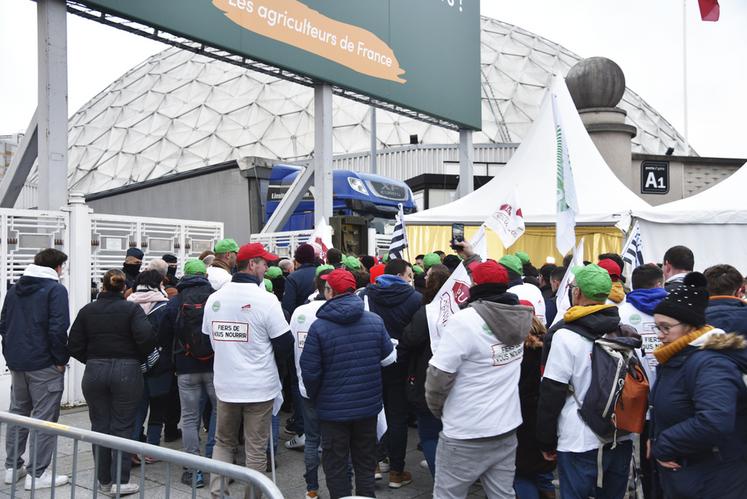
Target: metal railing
[(228, 472)]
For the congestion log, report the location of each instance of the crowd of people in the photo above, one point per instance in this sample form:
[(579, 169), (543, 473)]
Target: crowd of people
[(524, 384)]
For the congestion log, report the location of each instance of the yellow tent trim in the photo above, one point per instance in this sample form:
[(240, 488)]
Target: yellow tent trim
[(538, 242)]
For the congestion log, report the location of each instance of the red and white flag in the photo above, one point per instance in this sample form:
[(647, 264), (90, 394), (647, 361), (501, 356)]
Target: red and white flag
[(453, 294), (508, 220), (321, 238), (709, 10)]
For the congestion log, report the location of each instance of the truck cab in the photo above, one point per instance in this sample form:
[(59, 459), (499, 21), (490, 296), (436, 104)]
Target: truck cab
[(373, 197)]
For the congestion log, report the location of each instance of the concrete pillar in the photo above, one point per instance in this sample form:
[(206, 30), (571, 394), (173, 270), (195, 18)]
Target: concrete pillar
[(466, 160), (52, 110), (374, 145), (322, 151), (612, 136), (79, 283)]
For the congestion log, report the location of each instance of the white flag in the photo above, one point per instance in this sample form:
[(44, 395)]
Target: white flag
[(508, 220), (453, 294), (563, 299), (321, 237), (479, 243), (567, 206)]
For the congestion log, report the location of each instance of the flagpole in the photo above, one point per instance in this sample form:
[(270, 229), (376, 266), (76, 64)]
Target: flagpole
[(684, 75)]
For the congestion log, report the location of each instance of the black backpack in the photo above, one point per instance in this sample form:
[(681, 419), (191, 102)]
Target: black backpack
[(192, 342)]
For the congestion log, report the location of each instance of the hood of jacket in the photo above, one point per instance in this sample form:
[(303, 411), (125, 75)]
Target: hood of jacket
[(342, 309), (733, 345), (510, 324), (34, 278), (192, 281), (389, 290), (147, 299), (646, 300), (597, 319)]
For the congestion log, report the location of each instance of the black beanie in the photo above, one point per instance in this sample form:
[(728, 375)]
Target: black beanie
[(687, 303)]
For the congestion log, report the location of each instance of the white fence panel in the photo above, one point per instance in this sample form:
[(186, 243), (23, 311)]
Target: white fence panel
[(22, 234), (113, 235)]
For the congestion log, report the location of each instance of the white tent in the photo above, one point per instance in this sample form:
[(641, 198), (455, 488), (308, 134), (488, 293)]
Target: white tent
[(712, 223), (602, 197)]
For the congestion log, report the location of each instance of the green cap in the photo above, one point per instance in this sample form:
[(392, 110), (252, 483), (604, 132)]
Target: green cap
[(268, 285), (418, 269), (430, 260), (226, 246), (523, 256), (512, 263), (593, 281), (351, 263), (194, 266), (322, 268), (273, 273)]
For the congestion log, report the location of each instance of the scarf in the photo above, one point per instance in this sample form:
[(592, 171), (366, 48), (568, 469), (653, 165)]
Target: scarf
[(575, 313), (617, 293), (665, 352)]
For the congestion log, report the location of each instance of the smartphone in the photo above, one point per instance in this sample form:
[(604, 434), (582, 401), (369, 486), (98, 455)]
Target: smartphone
[(457, 236)]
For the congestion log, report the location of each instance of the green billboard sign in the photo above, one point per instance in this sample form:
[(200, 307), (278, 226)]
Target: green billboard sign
[(423, 55)]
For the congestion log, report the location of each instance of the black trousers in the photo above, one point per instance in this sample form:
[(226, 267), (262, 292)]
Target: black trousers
[(113, 389), (397, 411), (347, 441)]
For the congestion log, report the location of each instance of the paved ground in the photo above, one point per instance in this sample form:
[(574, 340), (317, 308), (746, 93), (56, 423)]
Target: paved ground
[(289, 472)]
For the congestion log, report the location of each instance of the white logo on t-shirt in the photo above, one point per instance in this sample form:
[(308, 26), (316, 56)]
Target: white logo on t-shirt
[(504, 354), (230, 331)]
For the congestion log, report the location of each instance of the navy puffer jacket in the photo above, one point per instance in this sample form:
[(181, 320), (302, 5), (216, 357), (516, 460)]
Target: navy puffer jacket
[(34, 321), (728, 313), (699, 418), (341, 360)]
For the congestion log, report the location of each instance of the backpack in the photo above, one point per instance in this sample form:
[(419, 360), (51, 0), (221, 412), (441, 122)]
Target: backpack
[(617, 399), (189, 334)]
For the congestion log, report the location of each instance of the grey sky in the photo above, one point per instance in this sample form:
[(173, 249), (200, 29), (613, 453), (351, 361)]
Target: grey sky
[(643, 36)]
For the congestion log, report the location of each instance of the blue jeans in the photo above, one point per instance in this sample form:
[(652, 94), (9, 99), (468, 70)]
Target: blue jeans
[(429, 426), (311, 448), (530, 487), (193, 388), (275, 434), (578, 473)]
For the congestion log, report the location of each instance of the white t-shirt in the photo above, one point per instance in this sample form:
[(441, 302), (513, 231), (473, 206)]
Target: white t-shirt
[(301, 320), (240, 319), (218, 277), (570, 362), (644, 324), (533, 295), (484, 400)]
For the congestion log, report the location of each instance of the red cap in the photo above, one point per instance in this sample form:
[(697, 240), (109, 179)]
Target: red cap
[(489, 272), (527, 303), (340, 280), (612, 268), (376, 271), (255, 250)]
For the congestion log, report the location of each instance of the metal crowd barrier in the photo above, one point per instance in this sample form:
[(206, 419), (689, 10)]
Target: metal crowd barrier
[(123, 446)]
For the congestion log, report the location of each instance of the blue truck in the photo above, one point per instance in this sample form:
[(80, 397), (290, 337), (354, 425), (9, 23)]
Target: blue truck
[(373, 197)]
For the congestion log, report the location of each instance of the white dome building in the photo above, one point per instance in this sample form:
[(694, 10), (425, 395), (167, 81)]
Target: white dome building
[(179, 111)]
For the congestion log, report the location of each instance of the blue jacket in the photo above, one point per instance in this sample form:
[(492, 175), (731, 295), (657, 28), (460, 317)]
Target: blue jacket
[(699, 404), (729, 314), (34, 321), (341, 360), (298, 287), (395, 301)]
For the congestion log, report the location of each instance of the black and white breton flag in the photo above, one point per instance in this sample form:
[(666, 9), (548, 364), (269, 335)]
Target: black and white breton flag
[(633, 250), (399, 236)]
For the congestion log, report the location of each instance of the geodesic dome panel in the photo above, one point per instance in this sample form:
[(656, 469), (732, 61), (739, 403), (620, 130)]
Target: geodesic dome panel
[(178, 111)]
